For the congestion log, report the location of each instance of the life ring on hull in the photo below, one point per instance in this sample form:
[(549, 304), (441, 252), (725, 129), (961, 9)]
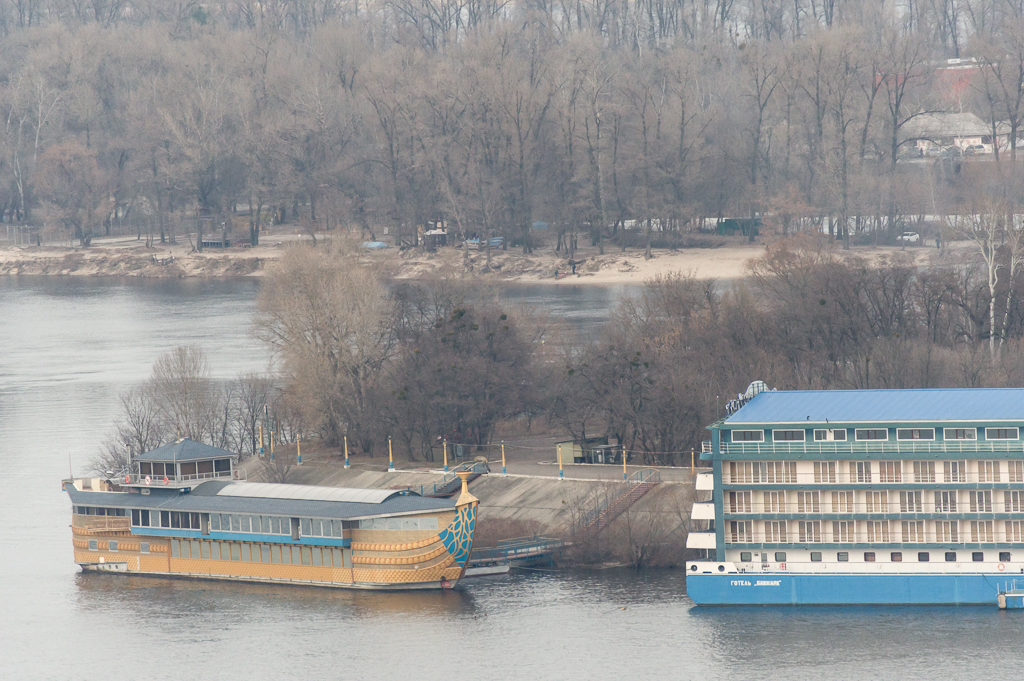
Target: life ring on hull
[(127, 479), (167, 480), (1000, 567)]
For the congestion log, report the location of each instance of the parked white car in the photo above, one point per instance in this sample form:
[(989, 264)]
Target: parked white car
[(909, 237)]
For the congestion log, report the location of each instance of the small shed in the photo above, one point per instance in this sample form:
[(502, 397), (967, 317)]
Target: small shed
[(434, 239)]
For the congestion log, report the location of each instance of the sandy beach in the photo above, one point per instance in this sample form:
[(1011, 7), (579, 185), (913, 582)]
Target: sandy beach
[(127, 256)]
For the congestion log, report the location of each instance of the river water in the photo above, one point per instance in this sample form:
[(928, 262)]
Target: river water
[(69, 346)]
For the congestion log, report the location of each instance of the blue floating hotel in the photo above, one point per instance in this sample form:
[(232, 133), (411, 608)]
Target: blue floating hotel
[(832, 497)]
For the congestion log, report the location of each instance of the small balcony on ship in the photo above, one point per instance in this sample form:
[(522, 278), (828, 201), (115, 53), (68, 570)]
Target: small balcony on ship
[(185, 463)]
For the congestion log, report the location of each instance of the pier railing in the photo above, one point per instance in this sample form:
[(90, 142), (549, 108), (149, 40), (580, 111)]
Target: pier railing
[(776, 449), (450, 483)]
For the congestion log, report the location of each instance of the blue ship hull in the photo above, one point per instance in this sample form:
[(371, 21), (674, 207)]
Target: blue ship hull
[(843, 589)]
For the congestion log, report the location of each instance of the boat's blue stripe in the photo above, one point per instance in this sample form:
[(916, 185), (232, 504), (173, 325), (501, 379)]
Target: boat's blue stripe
[(848, 589), (237, 536)]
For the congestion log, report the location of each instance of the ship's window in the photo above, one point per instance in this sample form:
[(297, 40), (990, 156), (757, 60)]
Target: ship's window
[(245, 553), (195, 548), (135, 517), (336, 555), (815, 556), (1001, 433), (255, 522), (175, 548), (923, 557), (950, 556), (896, 557), (205, 467), (316, 556), (869, 556), (843, 556), (297, 555), (336, 526), (185, 553), (275, 553), (924, 471), (394, 523), (1004, 556), (1015, 471), (188, 469), (915, 433), (92, 545), (145, 468), (428, 523), (955, 471), (215, 522), (787, 436), (745, 556), (978, 556), (824, 471), (412, 524), (236, 552), (205, 550), (748, 436), (890, 471), (960, 433), (871, 434), (145, 518), (144, 547), (827, 435), (295, 529), (215, 550), (112, 545), (222, 465), (286, 555), (264, 553), (780, 556), (307, 527)]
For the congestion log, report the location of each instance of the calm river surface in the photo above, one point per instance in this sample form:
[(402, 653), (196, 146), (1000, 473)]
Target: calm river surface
[(68, 346)]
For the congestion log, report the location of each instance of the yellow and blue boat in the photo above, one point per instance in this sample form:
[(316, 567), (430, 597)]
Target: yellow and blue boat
[(185, 510)]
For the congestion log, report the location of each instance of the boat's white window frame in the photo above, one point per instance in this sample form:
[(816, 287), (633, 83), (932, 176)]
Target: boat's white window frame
[(915, 439), (1016, 437), (732, 436), (857, 438), (946, 431), (803, 434), (834, 431)]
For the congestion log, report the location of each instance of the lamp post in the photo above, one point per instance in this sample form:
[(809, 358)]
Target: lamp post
[(391, 458), (624, 476), (444, 448), (503, 472), (261, 440), (346, 451), (561, 473), (298, 448)]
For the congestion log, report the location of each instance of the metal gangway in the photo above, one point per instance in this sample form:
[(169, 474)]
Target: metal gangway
[(518, 551)]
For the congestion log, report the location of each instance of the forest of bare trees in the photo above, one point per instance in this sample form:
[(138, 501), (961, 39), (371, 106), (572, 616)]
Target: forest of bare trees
[(488, 115), (367, 359)]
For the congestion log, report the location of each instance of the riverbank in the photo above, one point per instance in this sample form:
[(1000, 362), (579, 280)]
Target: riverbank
[(721, 258)]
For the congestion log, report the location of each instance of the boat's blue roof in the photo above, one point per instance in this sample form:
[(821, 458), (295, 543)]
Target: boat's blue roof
[(208, 497), (860, 406), (184, 450)]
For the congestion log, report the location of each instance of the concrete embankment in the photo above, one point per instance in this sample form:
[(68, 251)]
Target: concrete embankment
[(545, 501)]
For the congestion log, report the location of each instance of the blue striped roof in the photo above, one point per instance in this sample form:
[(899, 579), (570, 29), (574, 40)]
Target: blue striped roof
[(860, 406)]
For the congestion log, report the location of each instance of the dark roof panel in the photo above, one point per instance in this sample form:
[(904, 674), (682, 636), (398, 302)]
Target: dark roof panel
[(184, 450), (205, 498)]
